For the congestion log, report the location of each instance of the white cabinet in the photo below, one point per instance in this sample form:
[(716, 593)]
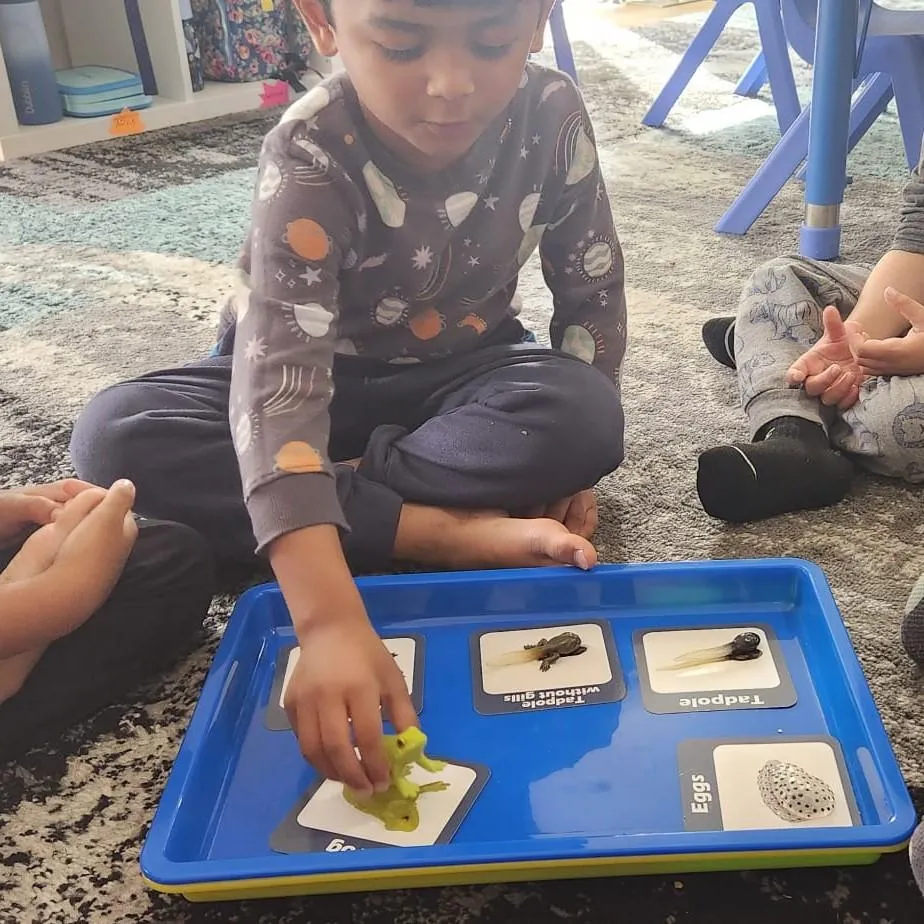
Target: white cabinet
[(84, 32)]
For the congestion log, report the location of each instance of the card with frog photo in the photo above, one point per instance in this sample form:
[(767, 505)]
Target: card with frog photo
[(408, 652), (545, 667), (744, 784), (324, 821), (712, 668)]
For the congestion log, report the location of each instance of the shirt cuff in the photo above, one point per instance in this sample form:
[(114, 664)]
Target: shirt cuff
[(294, 502)]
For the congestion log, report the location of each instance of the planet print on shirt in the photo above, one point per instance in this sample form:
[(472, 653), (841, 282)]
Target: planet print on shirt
[(390, 310), (458, 208), (428, 324), (307, 239), (244, 429), (384, 193), (270, 181), (586, 343), (575, 154), (241, 294), (597, 261), (475, 322), (309, 322), (532, 234), (306, 108), (315, 171), (299, 458)]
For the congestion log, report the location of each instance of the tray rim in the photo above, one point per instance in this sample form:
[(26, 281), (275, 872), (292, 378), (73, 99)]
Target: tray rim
[(394, 863)]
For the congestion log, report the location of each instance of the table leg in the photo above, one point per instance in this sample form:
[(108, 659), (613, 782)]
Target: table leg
[(832, 89)]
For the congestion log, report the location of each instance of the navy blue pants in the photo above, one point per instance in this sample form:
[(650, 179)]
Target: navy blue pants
[(509, 427), (152, 617)]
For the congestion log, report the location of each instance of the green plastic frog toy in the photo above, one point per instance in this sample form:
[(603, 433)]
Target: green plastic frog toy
[(396, 807)]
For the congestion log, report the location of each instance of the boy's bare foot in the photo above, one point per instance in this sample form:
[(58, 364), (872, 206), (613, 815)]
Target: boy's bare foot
[(578, 513), (487, 539)]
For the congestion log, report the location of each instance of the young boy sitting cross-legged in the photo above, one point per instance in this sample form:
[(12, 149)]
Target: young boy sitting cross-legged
[(830, 365), (384, 400)]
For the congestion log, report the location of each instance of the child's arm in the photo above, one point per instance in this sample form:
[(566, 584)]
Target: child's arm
[(582, 263), (901, 268), (66, 570), (306, 216)]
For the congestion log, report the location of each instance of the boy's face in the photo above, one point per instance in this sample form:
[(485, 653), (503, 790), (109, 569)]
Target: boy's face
[(430, 76)]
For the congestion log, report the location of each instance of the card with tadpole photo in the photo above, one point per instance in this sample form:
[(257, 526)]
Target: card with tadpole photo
[(712, 668), (545, 667)]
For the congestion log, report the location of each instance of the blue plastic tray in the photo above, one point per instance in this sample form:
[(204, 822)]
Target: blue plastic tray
[(618, 778)]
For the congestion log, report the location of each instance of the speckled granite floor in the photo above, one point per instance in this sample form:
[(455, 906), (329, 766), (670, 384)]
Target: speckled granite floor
[(111, 258)]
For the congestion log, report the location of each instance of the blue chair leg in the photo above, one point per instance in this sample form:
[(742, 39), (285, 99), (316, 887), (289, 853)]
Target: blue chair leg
[(754, 77), (690, 62), (875, 94), (564, 56), (769, 179), (872, 99), (775, 48)]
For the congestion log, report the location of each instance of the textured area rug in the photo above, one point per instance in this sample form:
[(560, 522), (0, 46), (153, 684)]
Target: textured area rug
[(112, 259)]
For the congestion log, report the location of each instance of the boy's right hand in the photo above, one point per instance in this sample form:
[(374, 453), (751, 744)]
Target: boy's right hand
[(829, 369), (342, 677)]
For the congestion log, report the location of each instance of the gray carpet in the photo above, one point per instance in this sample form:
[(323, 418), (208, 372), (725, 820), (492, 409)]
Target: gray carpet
[(111, 261)]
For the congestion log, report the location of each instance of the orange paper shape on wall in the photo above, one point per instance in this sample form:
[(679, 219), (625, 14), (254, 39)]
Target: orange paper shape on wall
[(127, 122)]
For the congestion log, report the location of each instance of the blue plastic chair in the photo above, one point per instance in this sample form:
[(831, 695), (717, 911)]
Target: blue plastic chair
[(564, 56), (890, 65), (772, 64)]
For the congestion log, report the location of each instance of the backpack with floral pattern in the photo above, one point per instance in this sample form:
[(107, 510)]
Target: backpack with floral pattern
[(250, 40)]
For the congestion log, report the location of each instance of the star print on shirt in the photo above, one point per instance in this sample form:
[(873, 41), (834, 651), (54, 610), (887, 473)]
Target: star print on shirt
[(524, 152), (255, 349), (311, 276), (491, 203), (422, 258), (473, 261), (537, 139)]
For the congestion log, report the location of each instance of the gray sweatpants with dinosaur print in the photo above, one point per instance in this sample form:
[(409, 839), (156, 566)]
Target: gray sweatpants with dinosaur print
[(779, 318)]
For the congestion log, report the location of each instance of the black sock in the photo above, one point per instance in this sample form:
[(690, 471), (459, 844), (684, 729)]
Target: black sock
[(790, 466), (719, 337)]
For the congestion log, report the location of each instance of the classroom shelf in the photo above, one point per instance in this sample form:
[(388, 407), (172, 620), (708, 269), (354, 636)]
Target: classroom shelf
[(96, 32)]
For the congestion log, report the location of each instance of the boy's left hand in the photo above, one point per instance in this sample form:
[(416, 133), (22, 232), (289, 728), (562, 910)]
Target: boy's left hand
[(895, 355), (34, 505)]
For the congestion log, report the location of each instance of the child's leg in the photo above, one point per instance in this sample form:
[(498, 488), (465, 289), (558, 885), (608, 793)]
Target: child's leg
[(916, 854), (789, 464), (151, 617), (506, 427)]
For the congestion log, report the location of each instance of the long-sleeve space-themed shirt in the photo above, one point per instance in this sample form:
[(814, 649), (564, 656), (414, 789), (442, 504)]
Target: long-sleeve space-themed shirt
[(352, 252)]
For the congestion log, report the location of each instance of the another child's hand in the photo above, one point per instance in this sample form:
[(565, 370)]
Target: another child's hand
[(829, 370), (87, 542), (342, 677), (896, 355), (23, 508)]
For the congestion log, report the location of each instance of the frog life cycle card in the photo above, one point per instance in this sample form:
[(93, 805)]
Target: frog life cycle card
[(762, 784), (324, 821), (408, 652), (545, 667), (712, 668)]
